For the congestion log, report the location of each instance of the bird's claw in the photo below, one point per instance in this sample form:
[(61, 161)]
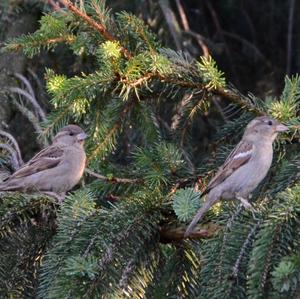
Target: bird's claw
[(247, 205), (58, 196)]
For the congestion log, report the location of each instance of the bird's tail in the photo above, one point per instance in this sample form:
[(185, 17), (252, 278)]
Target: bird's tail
[(205, 207)]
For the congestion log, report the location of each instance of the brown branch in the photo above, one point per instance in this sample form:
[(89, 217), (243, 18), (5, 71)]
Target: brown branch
[(201, 42), (113, 179), (183, 16), (138, 81), (53, 4), (171, 21), (186, 27), (169, 235), (98, 27), (290, 37), (222, 92)]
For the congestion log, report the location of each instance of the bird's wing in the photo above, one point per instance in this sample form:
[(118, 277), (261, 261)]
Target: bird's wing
[(238, 157), (47, 158)]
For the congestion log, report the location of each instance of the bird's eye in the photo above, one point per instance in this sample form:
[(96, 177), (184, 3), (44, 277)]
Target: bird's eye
[(270, 123), (71, 134)]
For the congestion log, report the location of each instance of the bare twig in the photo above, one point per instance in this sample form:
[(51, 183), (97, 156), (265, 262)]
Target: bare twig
[(15, 144), (185, 23), (183, 16), (180, 110), (168, 235), (290, 37), (25, 82), (220, 31), (53, 4), (113, 179), (249, 45), (40, 112), (14, 160), (171, 22), (201, 42)]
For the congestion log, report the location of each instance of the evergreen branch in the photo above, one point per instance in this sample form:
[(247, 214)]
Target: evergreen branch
[(112, 251), (170, 235), (113, 179), (30, 42), (112, 131), (99, 27), (223, 92)]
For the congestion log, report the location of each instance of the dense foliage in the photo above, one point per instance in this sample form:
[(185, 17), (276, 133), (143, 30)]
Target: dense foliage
[(120, 235)]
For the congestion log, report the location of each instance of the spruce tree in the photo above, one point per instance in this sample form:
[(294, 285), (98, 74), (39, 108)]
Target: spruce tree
[(121, 233)]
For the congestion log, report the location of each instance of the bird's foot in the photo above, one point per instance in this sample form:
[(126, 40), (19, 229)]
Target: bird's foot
[(58, 196), (247, 205)]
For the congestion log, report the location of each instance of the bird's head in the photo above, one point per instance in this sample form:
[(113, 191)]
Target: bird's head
[(70, 135), (264, 128)]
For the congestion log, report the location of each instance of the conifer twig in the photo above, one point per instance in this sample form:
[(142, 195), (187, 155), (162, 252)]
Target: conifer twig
[(113, 179), (225, 93), (99, 27)]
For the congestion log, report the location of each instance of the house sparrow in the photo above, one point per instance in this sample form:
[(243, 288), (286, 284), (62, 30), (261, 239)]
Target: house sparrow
[(57, 168), (245, 167)]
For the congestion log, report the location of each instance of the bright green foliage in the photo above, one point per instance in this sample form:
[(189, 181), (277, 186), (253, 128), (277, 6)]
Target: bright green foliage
[(186, 203), (286, 275), (211, 75), (142, 106)]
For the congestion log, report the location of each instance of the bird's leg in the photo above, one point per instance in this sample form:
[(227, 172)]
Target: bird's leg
[(247, 205), (244, 202), (58, 196)]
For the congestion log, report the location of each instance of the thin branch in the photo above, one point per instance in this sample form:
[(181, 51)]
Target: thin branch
[(53, 4), (171, 22), (99, 27), (25, 82), (236, 267), (15, 144), (169, 235), (40, 112), (183, 16), (113, 179), (201, 42), (250, 45), (290, 37), (14, 160), (187, 29)]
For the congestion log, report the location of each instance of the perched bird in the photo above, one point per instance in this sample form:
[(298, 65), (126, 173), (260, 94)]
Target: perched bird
[(57, 168), (245, 167)]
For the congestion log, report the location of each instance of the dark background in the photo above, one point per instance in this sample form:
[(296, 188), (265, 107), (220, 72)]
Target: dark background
[(256, 43)]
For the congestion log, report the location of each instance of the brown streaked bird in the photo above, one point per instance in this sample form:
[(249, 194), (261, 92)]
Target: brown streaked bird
[(245, 167), (57, 168)]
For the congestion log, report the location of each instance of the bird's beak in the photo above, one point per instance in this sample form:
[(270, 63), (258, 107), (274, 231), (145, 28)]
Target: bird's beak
[(281, 128), (81, 136)]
